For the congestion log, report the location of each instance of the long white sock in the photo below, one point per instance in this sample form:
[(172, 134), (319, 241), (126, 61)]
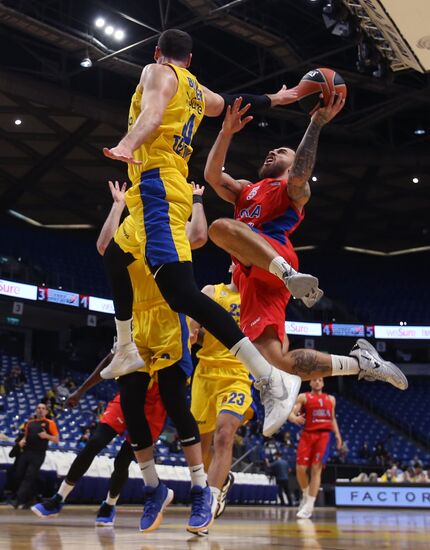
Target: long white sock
[(123, 331), (65, 489), (281, 268), (344, 366), (215, 491), (111, 500), (249, 355), (149, 473), (198, 475), (310, 502), (305, 492)]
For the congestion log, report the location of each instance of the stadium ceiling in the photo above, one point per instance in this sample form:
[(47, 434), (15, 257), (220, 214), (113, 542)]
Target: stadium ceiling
[(51, 167)]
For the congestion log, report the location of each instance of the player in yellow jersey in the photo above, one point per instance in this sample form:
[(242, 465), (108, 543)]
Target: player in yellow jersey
[(165, 112), (162, 338), (220, 396)]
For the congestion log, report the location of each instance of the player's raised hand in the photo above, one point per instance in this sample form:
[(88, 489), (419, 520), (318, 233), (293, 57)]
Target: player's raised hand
[(297, 419), (121, 152), (233, 120), (73, 399), (118, 192), (285, 96), (327, 113), (198, 189)]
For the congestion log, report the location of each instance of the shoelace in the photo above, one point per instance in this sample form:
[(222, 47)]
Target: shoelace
[(197, 501)]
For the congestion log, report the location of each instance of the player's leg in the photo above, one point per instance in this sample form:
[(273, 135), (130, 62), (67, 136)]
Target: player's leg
[(363, 361), (106, 513), (172, 382), (206, 441), (250, 248), (101, 437), (305, 512), (303, 460), (26, 489), (126, 357), (179, 289), (156, 495)]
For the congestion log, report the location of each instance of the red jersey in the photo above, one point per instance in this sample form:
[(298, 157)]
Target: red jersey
[(266, 207), (319, 412)]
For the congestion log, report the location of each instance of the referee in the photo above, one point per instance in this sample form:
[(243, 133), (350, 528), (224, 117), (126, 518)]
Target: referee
[(39, 430)]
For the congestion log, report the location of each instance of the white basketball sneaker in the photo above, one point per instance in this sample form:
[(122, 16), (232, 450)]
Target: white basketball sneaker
[(373, 367), (305, 512), (278, 393), (312, 297), (126, 359)]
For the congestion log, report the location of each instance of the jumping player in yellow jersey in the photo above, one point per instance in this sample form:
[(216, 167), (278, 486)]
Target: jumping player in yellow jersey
[(162, 338), (165, 112), (220, 396)]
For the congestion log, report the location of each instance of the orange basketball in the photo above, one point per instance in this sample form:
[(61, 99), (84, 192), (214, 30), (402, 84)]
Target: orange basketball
[(317, 82)]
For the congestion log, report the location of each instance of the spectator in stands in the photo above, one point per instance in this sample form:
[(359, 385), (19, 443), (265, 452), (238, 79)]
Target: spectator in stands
[(361, 478), (421, 476), (415, 461), (381, 454), (365, 451), (62, 393), (100, 409), (2, 387), (410, 475), (175, 445), (391, 476), (288, 442), (16, 379), (37, 434), (373, 477), (279, 470)]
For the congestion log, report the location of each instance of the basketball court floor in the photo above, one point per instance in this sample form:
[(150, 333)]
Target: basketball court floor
[(240, 528)]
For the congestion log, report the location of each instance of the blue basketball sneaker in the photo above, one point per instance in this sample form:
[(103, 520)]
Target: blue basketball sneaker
[(155, 501), (49, 507), (202, 509), (106, 514)]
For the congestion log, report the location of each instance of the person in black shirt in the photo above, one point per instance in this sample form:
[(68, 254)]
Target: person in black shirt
[(279, 470), (39, 431)]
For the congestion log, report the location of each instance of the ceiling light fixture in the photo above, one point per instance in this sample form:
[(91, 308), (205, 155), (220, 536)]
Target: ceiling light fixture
[(419, 131), (109, 30), (415, 180), (119, 34), (86, 63), (18, 121), (314, 178), (99, 22)]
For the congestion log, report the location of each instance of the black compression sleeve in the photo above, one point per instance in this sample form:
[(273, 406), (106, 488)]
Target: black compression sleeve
[(259, 103)]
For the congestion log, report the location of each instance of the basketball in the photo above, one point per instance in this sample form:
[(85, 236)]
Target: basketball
[(317, 82)]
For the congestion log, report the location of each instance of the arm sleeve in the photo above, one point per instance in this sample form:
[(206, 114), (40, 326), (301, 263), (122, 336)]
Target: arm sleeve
[(259, 103), (53, 430)]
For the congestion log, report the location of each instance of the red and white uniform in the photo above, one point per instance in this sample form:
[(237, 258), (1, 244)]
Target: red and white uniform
[(266, 207), (313, 444), (154, 412)]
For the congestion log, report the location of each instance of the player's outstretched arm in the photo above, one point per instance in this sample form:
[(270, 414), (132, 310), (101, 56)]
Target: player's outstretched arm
[(159, 84), (112, 221), (223, 184), (304, 162), (215, 104), (93, 379), (197, 228)]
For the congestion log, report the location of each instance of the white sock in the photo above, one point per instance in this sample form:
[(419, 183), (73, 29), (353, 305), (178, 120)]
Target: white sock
[(65, 489), (149, 473), (344, 366), (310, 502), (123, 331), (305, 492), (198, 475), (281, 268), (111, 500), (249, 355), (216, 492)]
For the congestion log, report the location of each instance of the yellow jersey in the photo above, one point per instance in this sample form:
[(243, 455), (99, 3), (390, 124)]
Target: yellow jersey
[(170, 145), (145, 290), (212, 352)]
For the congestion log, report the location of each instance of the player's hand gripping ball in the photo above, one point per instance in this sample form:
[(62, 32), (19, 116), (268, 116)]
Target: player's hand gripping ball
[(315, 88)]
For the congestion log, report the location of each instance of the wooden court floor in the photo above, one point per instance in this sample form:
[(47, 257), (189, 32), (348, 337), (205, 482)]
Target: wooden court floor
[(240, 528)]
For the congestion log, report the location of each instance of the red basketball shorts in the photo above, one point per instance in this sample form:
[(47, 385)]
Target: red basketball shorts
[(154, 411), (313, 448), (263, 296)]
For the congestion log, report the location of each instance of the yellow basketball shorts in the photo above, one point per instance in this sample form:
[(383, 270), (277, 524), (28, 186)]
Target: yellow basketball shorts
[(161, 205), (161, 336), (217, 390), (126, 238)]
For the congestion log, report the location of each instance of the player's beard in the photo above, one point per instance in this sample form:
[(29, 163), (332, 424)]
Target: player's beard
[(273, 170)]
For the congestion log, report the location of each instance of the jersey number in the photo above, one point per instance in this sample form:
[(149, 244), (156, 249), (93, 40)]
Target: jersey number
[(182, 143), (236, 398)]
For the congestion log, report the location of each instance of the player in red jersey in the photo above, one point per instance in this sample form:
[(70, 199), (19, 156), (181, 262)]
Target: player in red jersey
[(266, 213), (312, 451)]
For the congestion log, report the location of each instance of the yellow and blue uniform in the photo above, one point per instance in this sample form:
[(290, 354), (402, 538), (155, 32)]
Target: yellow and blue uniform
[(161, 335), (160, 199), (220, 382)]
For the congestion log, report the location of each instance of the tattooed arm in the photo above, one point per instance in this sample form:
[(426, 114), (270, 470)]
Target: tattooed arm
[(298, 186)]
